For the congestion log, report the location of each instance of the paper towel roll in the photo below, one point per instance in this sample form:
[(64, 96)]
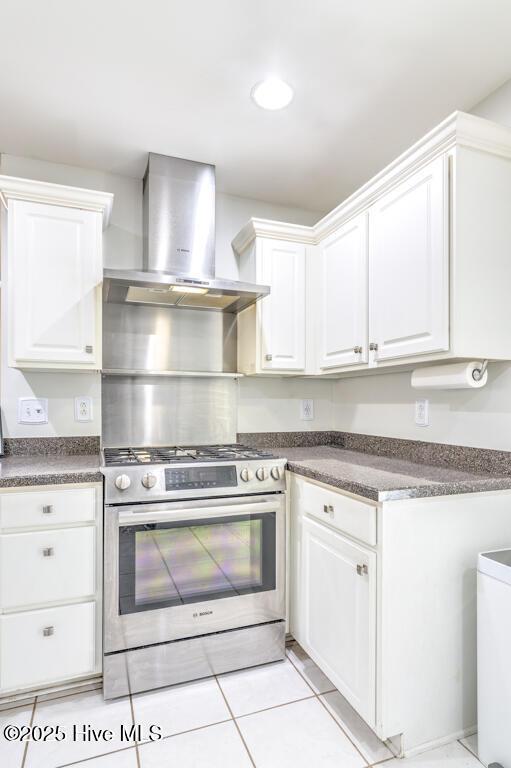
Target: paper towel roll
[(453, 376)]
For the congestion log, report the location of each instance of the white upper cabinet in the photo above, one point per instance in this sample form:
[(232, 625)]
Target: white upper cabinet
[(53, 275), (409, 266), (342, 296), (272, 333), (283, 311), (414, 267)]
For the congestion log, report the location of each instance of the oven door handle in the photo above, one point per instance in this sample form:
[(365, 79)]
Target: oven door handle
[(137, 517)]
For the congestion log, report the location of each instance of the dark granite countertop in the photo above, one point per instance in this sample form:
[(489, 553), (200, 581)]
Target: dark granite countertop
[(385, 478), (17, 471)]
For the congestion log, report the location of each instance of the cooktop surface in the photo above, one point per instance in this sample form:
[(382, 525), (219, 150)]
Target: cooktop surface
[(119, 457)]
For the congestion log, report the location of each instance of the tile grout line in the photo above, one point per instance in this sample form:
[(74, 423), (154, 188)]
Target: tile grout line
[(469, 750), (318, 697), (84, 760), (132, 709), (235, 722), (182, 733), (275, 706), (32, 715), (382, 762)]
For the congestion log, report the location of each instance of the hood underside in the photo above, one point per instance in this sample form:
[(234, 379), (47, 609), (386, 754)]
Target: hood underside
[(180, 291)]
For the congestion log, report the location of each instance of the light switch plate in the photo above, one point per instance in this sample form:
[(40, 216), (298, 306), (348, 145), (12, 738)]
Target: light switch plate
[(307, 410), (83, 408), (32, 410), (422, 412)]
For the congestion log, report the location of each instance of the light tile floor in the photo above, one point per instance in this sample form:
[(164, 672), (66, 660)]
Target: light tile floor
[(275, 716)]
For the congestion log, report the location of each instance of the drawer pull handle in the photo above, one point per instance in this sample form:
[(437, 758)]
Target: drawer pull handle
[(89, 349), (269, 358), (362, 570), (48, 631), (327, 509), (47, 509), (48, 552)]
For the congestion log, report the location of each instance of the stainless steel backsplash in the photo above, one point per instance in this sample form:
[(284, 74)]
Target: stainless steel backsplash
[(152, 410), (161, 338), (142, 410)]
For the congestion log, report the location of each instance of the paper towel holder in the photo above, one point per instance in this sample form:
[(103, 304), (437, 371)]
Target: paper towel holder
[(478, 373)]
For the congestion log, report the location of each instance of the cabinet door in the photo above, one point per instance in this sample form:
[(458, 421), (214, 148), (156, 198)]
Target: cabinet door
[(339, 595), (54, 273), (283, 311), (343, 325), (47, 646), (409, 266)]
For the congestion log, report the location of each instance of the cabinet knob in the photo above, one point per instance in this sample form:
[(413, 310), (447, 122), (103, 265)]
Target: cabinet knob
[(362, 570), (89, 349), (357, 350), (47, 509), (48, 631), (373, 346), (327, 509), (268, 357), (48, 552)]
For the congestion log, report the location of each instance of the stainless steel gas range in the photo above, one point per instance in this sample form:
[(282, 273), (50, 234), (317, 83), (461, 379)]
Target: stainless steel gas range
[(194, 563)]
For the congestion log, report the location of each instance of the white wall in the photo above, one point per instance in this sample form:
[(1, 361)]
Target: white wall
[(383, 404), (268, 405), (123, 248)]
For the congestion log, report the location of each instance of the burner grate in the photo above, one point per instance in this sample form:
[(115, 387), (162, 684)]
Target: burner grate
[(176, 454)]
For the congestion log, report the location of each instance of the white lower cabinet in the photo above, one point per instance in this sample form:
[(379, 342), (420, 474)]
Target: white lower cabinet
[(339, 593), (46, 566), (47, 646), (50, 587), (383, 599)]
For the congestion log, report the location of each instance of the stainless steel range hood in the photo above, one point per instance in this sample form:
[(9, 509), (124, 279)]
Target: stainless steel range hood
[(179, 244)]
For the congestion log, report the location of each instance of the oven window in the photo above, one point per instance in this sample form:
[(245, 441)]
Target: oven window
[(167, 564)]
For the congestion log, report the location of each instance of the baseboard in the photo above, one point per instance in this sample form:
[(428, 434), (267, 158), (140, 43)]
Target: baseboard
[(418, 750), (51, 692)]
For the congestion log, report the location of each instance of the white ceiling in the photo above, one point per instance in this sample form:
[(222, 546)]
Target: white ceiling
[(98, 83)]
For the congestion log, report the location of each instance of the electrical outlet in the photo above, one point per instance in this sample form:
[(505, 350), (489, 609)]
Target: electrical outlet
[(32, 410), (83, 408), (422, 413), (307, 410)]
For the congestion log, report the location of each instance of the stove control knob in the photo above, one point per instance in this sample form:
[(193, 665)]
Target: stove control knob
[(262, 473), (122, 482), (276, 473), (149, 480), (246, 474)]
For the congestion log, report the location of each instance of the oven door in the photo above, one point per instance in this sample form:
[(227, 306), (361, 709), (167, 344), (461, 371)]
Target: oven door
[(189, 568)]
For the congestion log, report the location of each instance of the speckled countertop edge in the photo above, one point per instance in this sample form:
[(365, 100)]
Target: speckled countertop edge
[(413, 492), (50, 461)]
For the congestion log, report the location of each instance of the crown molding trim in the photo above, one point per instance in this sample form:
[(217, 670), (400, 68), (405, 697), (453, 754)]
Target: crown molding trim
[(13, 188), (458, 130)]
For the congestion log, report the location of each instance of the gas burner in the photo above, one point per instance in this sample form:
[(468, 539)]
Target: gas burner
[(119, 457)]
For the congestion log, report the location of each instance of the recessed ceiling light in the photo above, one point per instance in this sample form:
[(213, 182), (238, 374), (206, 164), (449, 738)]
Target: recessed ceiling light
[(272, 93)]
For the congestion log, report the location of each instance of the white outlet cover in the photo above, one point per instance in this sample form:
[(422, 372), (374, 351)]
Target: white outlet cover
[(32, 410), (307, 410), (83, 408), (422, 412)]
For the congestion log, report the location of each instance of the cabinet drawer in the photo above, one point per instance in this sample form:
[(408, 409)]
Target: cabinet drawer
[(46, 566), (31, 509), (351, 516), (47, 646)]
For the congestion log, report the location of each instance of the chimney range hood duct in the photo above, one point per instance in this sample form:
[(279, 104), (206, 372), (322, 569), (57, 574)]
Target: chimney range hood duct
[(179, 244)]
